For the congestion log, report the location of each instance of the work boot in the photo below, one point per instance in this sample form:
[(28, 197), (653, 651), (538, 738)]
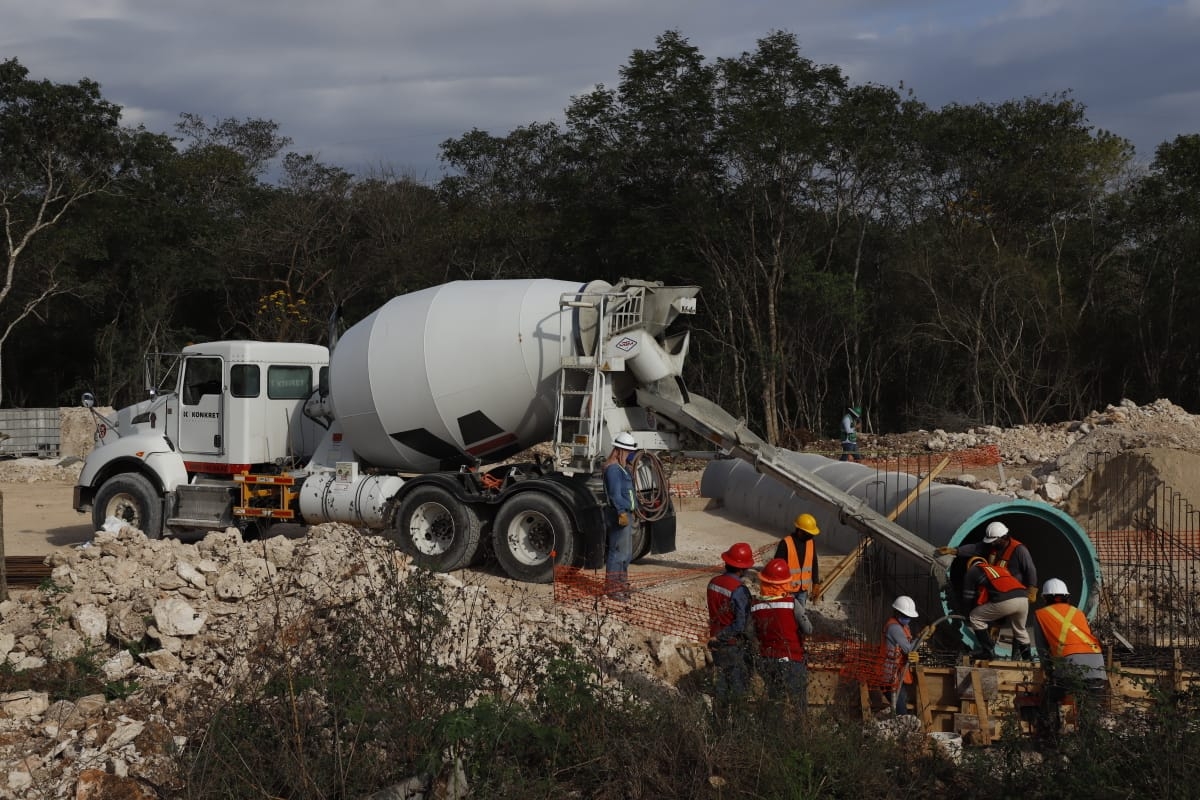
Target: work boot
[(1024, 652), (987, 647)]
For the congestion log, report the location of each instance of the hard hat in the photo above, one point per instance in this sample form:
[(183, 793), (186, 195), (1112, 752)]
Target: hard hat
[(625, 441), (973, 560), (855, 410), (739, 556), (905, 605), (1056, 587), (995, 530), (808, 524), (775, 572)]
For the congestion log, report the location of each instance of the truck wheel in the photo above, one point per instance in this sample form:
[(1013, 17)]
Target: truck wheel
[(132, 499), (641, 540), (531, 534), (437, 529)]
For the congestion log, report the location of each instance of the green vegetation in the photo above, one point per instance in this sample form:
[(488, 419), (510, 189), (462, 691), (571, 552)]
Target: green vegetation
[(342, 706)]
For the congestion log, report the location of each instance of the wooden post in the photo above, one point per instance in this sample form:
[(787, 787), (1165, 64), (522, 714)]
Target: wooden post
[(3, 563), (981, 709)]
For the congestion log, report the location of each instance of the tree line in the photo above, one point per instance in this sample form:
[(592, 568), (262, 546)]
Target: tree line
[(992, 263)]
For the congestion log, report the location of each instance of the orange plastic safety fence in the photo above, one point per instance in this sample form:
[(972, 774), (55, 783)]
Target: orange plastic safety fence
[(588, 590), (987, 455)]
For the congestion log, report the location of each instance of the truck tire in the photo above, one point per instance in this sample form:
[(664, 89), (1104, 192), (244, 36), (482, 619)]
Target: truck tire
[(131, 498), (531, 534), (438, 530), (641, 539)]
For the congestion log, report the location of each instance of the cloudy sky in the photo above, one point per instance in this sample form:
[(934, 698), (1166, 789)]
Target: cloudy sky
[(380, 83)]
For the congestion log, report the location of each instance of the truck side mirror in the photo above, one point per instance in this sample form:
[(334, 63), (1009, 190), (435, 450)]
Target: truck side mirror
[(323, 383)]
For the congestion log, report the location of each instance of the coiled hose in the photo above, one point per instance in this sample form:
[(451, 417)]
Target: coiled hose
[(651, 486)]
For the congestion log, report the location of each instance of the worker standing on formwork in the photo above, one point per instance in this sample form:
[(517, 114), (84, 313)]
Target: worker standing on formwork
[(799, 550), (994, 595), (898, 640), (780, 625), (1071, 654), (728, 613)]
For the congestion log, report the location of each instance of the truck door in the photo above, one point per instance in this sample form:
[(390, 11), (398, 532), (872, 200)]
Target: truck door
[(202, 404)]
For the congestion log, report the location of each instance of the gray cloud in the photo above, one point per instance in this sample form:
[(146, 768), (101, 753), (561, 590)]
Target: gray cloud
[(370, 83)]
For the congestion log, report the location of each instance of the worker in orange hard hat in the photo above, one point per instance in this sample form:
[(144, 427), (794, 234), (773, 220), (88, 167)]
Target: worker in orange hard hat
[(780, 625), (728, 614), (800, 552)]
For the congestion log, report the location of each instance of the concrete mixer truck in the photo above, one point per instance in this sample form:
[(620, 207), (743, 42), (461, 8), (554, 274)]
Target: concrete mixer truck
[(405, 426)]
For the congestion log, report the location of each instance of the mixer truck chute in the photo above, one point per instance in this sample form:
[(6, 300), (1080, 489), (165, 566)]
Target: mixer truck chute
[(404, 427)]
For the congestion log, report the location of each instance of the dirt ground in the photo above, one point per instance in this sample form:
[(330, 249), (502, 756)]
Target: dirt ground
[(38, 519)]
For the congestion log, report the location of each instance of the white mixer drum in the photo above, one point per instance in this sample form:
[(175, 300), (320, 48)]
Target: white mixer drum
[(441, 377)]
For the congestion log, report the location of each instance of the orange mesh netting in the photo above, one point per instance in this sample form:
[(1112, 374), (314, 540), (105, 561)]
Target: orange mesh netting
[(987, 455)]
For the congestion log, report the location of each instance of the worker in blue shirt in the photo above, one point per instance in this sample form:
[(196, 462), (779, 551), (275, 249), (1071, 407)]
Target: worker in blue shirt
[(618, 483)]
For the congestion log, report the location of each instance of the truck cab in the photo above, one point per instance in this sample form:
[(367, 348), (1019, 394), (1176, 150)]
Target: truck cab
[(218, 410)]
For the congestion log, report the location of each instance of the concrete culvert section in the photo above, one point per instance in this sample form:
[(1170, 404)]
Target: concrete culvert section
[(943, 514)]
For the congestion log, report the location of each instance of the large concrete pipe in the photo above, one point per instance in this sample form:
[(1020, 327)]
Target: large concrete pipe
[(945, 514)]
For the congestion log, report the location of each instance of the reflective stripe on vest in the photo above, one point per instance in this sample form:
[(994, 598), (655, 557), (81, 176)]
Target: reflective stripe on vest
[(1065, 637), (776, 629), (720, 605), (1007, 555), (999, 579), (801, 580)]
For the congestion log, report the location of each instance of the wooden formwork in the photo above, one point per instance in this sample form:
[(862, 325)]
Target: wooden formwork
[(981, 699)]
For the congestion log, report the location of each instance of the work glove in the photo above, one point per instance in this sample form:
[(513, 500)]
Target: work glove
[(946, 551), (1032, 594), (914, 657), (623, 518), (816, 592)]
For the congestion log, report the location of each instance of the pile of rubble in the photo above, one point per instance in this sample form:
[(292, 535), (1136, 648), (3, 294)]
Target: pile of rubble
[(1050, 460), (167, 619)]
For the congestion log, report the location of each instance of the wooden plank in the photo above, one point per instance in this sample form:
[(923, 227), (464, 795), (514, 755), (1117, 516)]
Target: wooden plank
[(981, 707), (921, 698)]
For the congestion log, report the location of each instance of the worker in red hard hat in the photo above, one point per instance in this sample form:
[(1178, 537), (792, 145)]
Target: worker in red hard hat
[(618, 485), (800, 552), (780, 625), (728, 614)]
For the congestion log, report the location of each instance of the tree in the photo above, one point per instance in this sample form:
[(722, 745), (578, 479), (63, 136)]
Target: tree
[(60, 144)]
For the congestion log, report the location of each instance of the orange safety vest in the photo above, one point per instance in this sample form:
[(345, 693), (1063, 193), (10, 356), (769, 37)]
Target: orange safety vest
[(776, 629), (1003, 558), (1066, 630), (999, 579), (895, 658), (720, 602), (801, 570)]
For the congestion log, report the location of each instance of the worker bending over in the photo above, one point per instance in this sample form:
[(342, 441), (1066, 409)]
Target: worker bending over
[(994, 595)]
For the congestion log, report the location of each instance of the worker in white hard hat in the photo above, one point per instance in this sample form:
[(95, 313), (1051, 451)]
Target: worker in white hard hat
[(898, 643), (1071, 654), (618, 484), (1000, 548)]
